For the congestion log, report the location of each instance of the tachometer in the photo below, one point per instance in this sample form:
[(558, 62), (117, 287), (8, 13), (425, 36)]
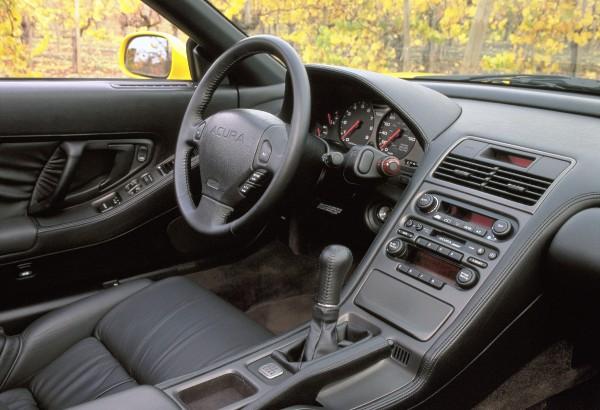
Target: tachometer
[(357, 123), (394, 136)]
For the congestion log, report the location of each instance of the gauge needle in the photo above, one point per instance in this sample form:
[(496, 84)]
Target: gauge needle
[(391, 138), (350, 130)]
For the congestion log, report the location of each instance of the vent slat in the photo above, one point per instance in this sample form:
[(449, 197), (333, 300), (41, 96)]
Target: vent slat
[(522, 183), (494, 179), (451, 168), (525, 178), (400, 354)]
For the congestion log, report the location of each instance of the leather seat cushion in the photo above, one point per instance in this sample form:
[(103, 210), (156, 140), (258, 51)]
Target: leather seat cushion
[(86, 371), (17, 399), (175, 327), (140, 332)]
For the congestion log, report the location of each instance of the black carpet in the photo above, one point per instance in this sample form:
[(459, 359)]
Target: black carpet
[(272, 273), (282, 315), (546, 375)]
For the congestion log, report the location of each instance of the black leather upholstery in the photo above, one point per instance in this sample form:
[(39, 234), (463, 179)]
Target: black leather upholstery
[(20, 166), (17, 234), (17, 399), (140, 332)]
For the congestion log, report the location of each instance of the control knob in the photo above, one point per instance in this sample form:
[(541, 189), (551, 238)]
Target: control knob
[(396, 248), (427, 203), (466, 278), (502, 228)]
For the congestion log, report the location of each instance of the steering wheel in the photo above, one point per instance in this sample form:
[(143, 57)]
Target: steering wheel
[(240, 150)]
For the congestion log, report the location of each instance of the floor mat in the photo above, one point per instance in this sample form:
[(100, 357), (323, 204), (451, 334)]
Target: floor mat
[(271, 273), (280, 316), (546, 375)]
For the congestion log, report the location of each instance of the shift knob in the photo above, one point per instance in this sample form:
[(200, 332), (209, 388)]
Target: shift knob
[(334, 264)]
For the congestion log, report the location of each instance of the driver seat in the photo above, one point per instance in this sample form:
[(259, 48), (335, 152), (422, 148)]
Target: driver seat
[(141, 332)]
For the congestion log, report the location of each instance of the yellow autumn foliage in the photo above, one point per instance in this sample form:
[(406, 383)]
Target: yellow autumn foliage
[(520, 36)]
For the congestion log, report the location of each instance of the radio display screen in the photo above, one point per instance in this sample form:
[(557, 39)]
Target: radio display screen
[(467, 216), (433, 264)]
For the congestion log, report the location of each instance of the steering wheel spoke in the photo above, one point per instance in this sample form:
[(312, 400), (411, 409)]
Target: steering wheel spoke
[(212, 213)]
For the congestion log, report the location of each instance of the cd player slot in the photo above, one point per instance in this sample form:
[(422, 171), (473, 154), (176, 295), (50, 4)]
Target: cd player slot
[(447, 239)]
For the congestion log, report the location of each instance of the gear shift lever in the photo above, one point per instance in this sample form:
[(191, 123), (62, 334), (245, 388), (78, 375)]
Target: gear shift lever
[(334, 264)]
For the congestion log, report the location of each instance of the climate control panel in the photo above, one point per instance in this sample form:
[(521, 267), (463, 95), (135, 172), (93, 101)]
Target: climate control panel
[(464, 217)]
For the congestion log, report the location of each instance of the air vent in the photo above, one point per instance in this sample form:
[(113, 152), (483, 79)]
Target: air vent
[(494, 179), (400, 354)]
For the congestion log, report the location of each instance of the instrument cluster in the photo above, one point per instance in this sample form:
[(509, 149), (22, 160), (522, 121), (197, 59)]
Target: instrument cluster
[(364, 122)]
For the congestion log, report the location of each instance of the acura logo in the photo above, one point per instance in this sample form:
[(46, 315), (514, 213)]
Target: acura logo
[(227, 133)]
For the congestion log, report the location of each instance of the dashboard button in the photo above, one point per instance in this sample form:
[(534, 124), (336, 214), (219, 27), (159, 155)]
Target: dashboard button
[(423, 277), (480, 232), (444, 251), (406, 234), (402, 267), (412, 272), (436, 283), (480, 251), (265, 152), (492, 255), (457, 256), (432, 245), (409, 223), (422, 242), (477, 262), (418, 226)]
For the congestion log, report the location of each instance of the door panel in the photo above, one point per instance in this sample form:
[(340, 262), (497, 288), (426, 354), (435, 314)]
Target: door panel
[(86, 136), (67, 150)]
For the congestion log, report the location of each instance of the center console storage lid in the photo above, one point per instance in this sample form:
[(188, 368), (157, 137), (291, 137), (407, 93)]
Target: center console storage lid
[(408, 308), (137, 398)]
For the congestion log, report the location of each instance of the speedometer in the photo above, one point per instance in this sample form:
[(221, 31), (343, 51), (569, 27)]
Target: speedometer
[(394, 136), (357, 123)]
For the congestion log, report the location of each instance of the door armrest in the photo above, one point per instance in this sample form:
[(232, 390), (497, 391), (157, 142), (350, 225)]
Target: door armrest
[(17, 234)]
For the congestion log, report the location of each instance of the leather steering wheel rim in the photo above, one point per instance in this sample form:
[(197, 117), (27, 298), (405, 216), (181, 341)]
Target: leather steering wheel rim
[(210, 216)]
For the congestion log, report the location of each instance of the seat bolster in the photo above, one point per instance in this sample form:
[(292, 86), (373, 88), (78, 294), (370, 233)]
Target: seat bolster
[(52, 334), (17, 399), (9, 350)]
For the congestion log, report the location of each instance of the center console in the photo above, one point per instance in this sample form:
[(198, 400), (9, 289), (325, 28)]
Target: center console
[(439, 248)]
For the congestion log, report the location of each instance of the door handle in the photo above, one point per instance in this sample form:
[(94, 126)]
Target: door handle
[(124, 161), (122, 164)]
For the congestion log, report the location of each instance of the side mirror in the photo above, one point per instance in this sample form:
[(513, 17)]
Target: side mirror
[(154, 55)]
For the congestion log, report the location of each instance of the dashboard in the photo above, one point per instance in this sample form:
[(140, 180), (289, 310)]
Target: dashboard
[(463, 253), (345, 116)]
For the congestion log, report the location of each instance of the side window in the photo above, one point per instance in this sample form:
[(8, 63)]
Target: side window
[(89, 39)]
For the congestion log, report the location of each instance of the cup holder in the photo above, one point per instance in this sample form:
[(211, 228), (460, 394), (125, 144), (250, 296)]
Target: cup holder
[(217, 393)]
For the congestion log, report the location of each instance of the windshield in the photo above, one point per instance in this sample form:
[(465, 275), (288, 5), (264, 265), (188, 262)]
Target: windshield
[(409, 38)]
